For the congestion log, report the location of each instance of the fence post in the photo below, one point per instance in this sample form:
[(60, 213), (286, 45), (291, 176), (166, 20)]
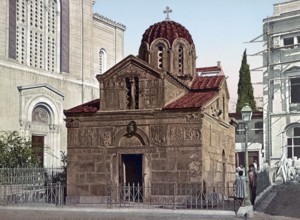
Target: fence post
[(174, 197)]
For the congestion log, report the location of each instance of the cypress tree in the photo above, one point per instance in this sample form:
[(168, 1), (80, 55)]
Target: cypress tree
[(245, 88)]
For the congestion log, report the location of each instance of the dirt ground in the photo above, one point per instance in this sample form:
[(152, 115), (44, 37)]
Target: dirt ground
[(286, 203)]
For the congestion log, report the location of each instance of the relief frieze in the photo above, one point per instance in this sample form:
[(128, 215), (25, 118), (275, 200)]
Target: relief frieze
[(192, 134), (91, 137), (158, 135), (185, 135), (177, 135)]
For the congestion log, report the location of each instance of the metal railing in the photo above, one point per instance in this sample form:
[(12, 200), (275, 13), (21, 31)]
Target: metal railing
[(263, 181), (172, 196), (31, 185)]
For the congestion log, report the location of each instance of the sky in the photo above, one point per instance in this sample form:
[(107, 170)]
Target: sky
[(220, 30)]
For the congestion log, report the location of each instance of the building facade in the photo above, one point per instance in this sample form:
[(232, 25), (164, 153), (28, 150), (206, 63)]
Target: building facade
[(256, 151), (157, 124), (282, 82), (50, 53)]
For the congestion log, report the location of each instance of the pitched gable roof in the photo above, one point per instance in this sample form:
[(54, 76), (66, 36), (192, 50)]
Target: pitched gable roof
[(192, 100), (127, 61)]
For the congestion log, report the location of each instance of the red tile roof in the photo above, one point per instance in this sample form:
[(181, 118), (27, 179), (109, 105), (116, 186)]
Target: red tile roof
[(89, 107), (207, 82), (169, 30), (201, 91), (192, 100)]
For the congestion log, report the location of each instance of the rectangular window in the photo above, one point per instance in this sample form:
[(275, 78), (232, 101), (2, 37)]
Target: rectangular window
[(295, 90), (288, 41), (259, 127), (241, 129), (298, 40)]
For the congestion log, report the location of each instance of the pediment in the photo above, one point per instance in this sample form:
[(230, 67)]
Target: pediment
[(129, 67), (293, 69)]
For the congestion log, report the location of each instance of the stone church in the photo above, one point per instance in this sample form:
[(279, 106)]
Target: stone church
[(156, 123), (50, 53)]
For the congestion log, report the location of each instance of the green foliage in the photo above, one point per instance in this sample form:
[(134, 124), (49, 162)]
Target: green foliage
[(15, 150), (245, 88)]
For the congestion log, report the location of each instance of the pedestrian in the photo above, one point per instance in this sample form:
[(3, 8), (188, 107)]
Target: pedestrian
[(240, 185), (252, 183), (255, 165)]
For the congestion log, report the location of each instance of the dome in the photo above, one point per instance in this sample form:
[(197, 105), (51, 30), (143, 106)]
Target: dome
[(169, 30)]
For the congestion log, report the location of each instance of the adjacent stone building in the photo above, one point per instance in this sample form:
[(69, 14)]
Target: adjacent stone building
[(157, 124), (50, 53)]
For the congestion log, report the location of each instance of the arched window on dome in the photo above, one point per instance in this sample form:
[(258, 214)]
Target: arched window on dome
[(293, 141), (102, 61), (180, 60), (160, 58)]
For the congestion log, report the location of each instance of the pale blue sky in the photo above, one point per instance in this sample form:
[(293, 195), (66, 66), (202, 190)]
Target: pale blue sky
[(219, 29)]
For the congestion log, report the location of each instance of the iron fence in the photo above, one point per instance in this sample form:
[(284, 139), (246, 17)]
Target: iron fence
[(33, 185), (172, 196)]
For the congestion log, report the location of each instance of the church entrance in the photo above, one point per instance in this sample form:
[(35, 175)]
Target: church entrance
[(38, 149), (131, 177)]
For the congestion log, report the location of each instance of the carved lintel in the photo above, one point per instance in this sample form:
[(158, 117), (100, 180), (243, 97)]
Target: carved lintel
[(194, 118)]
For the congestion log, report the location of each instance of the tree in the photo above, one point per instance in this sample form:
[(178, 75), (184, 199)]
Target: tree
[(245, 88), (15, 150)]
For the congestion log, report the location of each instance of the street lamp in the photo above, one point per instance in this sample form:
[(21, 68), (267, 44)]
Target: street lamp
[(246, 117)]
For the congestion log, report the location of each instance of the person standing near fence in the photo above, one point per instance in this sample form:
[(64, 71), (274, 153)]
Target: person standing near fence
[(252, 183), (240, 185)]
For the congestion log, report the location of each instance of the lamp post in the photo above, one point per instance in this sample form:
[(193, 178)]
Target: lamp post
[(246, 117)]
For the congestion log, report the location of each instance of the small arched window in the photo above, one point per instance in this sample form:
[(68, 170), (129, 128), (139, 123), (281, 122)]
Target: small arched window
[(160, 57), (180, 60), (102, 61)]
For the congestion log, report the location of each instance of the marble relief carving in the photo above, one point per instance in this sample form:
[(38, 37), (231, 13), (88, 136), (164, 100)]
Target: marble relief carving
[(91, 137), (158, 135), (192, 134), (177, 134)]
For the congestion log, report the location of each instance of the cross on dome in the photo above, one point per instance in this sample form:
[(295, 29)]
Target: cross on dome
[(167, 11)]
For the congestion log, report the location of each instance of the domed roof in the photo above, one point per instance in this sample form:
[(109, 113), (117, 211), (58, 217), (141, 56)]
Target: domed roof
[(169, 30)]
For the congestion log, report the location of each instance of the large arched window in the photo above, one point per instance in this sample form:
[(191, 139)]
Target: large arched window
[(102, 61), (293, 142), (37, 37)]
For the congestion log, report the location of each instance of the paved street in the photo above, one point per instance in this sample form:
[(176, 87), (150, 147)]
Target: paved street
[(282, 203)]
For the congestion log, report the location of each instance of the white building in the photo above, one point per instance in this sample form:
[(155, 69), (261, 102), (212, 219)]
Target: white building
[(255, 145), (282, 82), (51, 51)]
